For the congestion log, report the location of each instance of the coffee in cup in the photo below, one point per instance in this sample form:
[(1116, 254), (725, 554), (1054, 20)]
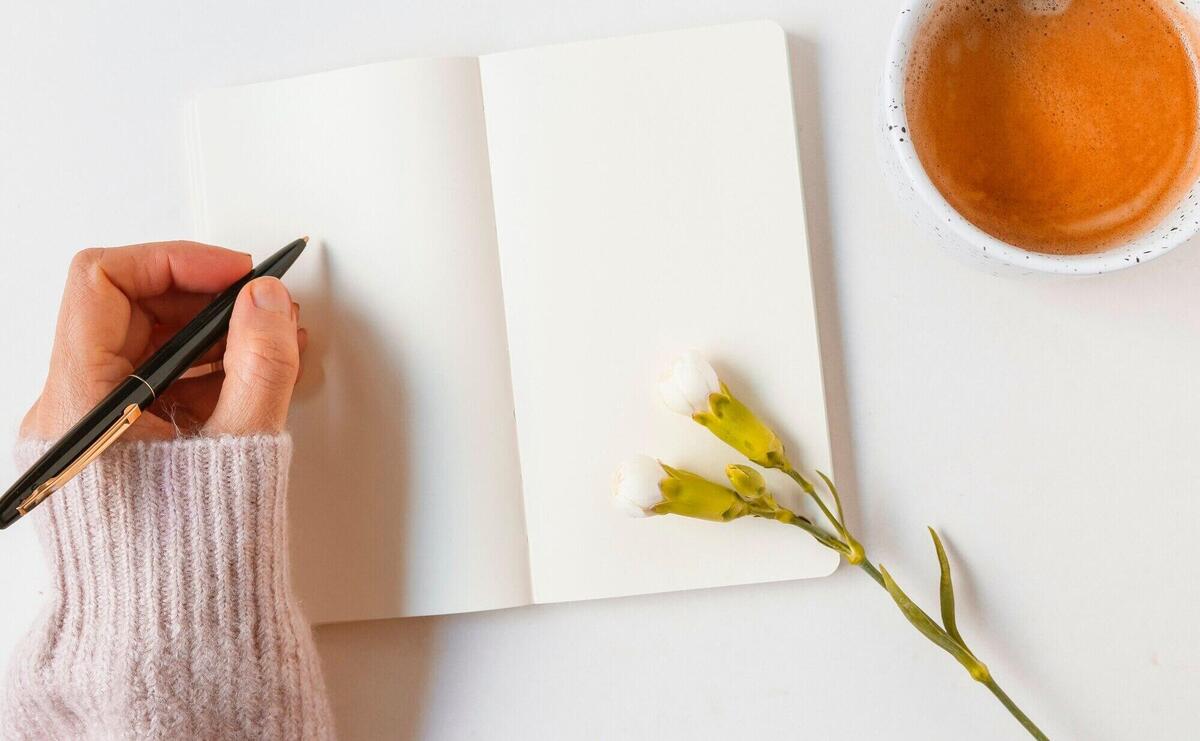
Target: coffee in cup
[(1062, 127)]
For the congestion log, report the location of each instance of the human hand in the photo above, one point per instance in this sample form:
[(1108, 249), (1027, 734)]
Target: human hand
[(120, 304)]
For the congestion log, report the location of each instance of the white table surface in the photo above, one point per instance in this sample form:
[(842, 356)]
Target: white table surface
[(1047, 427)]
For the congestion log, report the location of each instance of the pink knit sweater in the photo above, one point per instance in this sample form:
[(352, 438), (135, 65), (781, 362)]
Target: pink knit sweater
[(171, 614)]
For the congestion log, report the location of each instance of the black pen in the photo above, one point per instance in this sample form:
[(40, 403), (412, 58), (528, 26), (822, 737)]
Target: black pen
[(101, 427)]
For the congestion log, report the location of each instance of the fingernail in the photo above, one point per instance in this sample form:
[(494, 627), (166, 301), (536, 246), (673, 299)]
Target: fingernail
[(270, 295)]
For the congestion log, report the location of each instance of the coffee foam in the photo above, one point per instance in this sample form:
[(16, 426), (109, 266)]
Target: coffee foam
[(1177, 22), (1045, 7)]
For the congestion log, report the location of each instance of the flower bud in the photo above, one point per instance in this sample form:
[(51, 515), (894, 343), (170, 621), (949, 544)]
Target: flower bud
[(635, 486), (733, 422), (642, 487), (693, 496), (692, 387), (747, 482)]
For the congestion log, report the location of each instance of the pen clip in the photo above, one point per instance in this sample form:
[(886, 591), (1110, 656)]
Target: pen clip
[(51, 485)]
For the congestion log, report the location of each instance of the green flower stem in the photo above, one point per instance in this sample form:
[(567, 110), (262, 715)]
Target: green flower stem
[(811, 491), (988, 682), (872, 572), (822, 537), (768, 509), (1012, 708)]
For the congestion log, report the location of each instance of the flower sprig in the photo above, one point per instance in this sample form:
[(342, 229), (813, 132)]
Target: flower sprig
[(645, 487)]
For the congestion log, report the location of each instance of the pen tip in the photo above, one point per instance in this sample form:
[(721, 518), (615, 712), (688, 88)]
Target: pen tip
[(304, 239)]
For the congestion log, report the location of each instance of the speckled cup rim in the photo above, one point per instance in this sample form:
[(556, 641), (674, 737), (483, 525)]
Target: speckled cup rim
[(1181, 224)]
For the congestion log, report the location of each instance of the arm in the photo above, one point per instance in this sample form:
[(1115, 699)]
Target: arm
[(171, 613)]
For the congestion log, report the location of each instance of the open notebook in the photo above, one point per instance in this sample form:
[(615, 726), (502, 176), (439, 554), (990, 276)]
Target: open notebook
[(509, 250)]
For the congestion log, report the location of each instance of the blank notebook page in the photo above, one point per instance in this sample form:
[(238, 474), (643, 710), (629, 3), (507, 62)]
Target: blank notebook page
[(648, 200), (405, 491)]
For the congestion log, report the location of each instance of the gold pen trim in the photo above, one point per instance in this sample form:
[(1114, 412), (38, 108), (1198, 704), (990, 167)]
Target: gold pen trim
[(51, 485), (202, 370)]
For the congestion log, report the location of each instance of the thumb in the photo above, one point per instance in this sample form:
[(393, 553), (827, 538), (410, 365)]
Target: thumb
[(262, 360)]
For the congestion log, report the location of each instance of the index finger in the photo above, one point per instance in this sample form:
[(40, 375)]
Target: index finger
[(101, 325), (145, 270)]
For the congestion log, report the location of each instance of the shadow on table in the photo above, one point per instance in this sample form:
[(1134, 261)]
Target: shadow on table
[(377, 673), (806, 91), (348, 511)]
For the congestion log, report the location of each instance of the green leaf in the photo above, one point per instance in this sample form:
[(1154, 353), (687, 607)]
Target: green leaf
[(837, 500), (917, 616), (946, 588), (932, 630)]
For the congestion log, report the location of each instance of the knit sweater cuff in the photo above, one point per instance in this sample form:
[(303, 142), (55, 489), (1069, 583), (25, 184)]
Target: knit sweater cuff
[(164, 525), (172, 606)]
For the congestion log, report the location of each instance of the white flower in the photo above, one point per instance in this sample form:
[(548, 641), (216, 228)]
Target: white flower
[(635, 485), (686, 385), (691, 388)]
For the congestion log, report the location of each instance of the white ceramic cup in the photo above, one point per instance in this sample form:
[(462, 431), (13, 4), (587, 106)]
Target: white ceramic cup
[(921, 198)]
